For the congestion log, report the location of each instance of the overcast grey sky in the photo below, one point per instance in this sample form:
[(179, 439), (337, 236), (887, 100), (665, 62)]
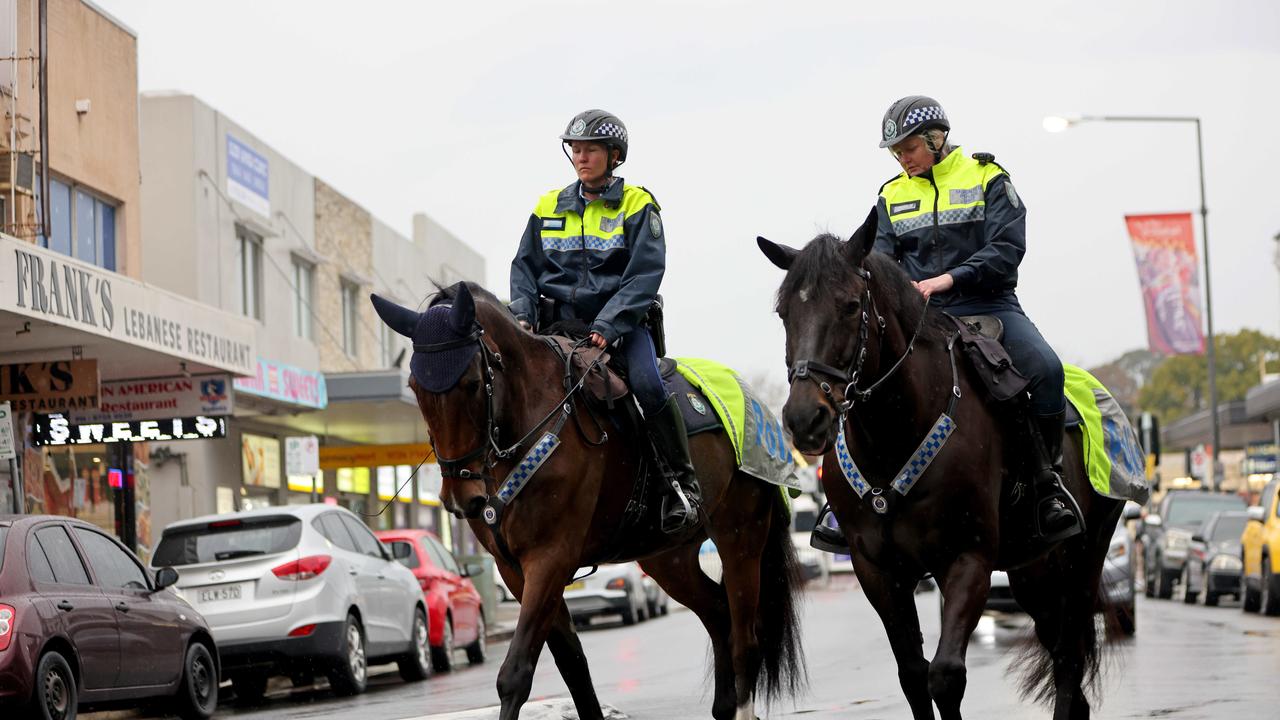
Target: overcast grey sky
[(762, 119)]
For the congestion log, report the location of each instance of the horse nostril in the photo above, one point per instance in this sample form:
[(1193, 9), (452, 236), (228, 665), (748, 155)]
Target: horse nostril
[(475, 506)]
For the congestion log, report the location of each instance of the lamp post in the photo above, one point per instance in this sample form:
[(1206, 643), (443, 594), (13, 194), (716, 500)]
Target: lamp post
[(1058, 124)]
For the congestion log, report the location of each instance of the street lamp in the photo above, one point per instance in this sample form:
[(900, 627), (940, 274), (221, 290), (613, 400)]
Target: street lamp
[(1058, 124)]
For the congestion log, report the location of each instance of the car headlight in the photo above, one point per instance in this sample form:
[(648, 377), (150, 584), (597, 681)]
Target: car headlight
[(1226, 563), (1117, 551)]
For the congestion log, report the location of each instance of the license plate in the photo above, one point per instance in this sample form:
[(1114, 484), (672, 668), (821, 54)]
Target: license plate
[(217, 594), (575, 586)]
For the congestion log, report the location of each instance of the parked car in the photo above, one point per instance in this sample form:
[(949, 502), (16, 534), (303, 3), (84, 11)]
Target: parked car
[(455, 612), (299, 591), (1166, 534), (1260, 554), (84, 626), (611, 590), (1213, 559), (655, 598)]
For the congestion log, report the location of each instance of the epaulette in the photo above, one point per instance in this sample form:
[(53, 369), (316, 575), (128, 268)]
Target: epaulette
[(656, 204), (986, 158)]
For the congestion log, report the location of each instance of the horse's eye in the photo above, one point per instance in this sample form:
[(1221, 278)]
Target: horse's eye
[(852, 307)]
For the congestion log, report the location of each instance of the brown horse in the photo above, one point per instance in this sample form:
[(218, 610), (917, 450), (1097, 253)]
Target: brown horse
[(866, 356), (482, 381)]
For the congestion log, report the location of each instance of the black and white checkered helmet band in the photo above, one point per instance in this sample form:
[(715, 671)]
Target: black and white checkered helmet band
[(612, 130), (922, 114)]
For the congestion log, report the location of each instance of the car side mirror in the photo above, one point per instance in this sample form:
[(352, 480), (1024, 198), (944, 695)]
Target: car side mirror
[(1255, 513), (1132, 511), (1153, 521), (165, 577), (401, 551), (1197, 538), (472, 569)]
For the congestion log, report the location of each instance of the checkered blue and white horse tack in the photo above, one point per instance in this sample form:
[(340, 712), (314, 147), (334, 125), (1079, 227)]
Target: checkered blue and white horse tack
[(528, 465), (906, 478)]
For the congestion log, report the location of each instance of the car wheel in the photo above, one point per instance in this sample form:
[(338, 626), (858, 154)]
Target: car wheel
[(1163, 581), (1188, 595), (416, 665), (442, 656), (249, 687), (350, 672), (54, 696), (197, 695), (630, 616), (478, 651), (1148, 580), (1210, 598), (1270, 595), (1249, 600)]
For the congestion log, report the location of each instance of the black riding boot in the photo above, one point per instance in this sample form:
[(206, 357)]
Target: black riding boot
[(680, 508), (1057, 515), (827, 538)]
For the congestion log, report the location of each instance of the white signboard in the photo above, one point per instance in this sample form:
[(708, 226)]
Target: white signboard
[(1200, 462), (6, 432), (54, 288), (160, 398), (301, 455)]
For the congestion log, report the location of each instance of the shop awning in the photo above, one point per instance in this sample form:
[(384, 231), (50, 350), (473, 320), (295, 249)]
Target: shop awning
[(1234, 425), (54, 307), (372, 407), (1263, 401)]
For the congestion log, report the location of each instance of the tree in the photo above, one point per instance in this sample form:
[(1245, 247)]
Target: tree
[(1180, 386)]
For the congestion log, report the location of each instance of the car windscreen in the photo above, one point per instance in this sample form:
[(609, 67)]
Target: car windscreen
[(4, 530), (1229, 528), (1191, 510), (227, 540)]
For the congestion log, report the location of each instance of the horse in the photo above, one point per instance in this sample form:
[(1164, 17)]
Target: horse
[(508, 386), (853, 320)]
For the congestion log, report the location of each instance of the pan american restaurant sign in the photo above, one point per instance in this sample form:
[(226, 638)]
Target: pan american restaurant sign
[(52, 287)]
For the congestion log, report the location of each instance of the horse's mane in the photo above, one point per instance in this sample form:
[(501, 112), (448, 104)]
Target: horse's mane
[(824, 262), (478, 293)]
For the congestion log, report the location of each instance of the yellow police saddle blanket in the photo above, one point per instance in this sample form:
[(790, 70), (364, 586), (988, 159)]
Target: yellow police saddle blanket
[(1113, 455), (763, 451)]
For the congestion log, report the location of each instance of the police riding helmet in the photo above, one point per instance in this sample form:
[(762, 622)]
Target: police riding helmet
[(913, 115), (598, 126)]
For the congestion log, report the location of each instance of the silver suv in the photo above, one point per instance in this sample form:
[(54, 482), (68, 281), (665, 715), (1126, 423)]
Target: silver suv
[(299, 591)]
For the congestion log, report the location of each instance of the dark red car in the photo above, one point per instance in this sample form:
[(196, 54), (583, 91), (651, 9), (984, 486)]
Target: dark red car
[(82, 626), (456, 613)]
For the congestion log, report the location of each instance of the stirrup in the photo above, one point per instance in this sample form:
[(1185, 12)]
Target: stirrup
[(826, 538), (1075, 528), (678, 519)]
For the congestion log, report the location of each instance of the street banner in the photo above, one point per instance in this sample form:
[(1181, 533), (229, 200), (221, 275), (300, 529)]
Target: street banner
[(1164, 248), (160, 399)]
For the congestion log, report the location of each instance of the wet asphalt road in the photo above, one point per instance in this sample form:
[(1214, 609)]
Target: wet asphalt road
[(1185, 662)]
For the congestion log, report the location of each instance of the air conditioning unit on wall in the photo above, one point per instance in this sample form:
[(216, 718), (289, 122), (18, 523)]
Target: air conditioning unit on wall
[(17, 172)]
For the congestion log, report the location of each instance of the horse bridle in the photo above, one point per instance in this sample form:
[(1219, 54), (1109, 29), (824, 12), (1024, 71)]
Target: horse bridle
[(489, 449), (805, 369)]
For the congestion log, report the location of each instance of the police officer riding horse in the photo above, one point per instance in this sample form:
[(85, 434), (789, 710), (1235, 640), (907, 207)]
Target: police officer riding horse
[(595, 252), (957, 226)]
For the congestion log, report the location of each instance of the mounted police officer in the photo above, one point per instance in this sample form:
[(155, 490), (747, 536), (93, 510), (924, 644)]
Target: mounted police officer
[(957, 226), (596, 251)]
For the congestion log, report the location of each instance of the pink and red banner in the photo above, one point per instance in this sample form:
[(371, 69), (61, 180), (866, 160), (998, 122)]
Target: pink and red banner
[(1164, 247)]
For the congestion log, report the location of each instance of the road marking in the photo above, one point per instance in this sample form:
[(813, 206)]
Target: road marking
[(559, 709)]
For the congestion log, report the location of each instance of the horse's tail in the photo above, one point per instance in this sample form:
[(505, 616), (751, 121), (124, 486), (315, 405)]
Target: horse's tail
[(778, 617)]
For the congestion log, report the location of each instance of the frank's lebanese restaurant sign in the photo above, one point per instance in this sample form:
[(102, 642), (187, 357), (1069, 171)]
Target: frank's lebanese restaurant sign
[(52, 287), (161, 399)]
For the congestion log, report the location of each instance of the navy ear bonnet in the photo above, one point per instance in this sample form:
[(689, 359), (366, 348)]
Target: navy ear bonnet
[(435, 371)]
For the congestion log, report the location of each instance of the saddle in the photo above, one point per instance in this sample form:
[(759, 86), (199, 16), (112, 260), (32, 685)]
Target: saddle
[(979, 336)]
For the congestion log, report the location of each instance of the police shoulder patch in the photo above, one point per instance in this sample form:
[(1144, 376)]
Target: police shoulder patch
[(696, 403), (1013, 194), (655, 224)]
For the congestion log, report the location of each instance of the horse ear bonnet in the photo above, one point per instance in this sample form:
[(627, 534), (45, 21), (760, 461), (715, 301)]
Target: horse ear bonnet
[(439, 372)]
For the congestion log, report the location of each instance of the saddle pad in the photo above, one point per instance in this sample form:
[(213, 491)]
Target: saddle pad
[(1113, 455), (762, 449), (699, 417)]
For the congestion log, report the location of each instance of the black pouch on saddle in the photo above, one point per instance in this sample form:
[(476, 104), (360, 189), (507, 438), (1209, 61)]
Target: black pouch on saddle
[(990, 360)]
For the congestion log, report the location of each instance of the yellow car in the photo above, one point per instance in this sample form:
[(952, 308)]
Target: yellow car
[(1260, 545)]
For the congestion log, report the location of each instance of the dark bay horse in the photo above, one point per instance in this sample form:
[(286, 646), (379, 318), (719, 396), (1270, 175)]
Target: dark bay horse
[(959, 521), (569, 512)]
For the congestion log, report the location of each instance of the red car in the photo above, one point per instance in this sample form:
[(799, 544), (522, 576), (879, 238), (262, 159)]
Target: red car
[(82, 625), (456, 613)]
